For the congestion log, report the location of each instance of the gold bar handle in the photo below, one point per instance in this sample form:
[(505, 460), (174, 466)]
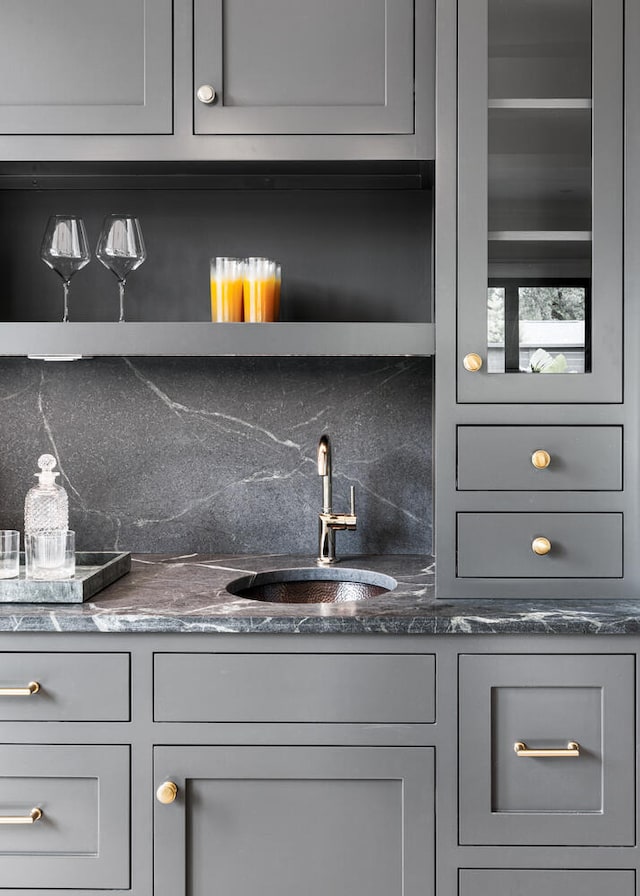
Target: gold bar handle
[(31, 818), (32, 688), (572, 749)]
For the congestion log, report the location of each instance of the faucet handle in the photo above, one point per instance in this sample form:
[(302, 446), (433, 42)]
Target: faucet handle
[(352, 500)]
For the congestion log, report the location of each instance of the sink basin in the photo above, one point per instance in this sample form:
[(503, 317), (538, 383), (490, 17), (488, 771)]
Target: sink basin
[(312, 586)]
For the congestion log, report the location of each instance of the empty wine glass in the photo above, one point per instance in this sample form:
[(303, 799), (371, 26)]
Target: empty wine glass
[(65, 250), (121, 249)]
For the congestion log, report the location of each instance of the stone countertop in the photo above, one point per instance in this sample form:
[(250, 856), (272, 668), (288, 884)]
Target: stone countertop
[(188, 594)]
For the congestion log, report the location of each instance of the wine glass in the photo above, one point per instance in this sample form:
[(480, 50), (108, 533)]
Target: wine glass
[(121, 249), (65, 250)]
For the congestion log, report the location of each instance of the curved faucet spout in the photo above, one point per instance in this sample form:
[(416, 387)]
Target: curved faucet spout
[(324, 470), (329, 521)]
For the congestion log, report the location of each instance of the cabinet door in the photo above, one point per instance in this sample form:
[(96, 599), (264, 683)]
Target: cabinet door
[(302, 67), (276, 820), (85, 67), (540, 201), (547, 755)]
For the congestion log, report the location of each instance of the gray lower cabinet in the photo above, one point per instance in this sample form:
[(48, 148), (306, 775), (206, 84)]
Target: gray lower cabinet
[(547, 751), (87, 67), (288, 687), (302, 67), (286, 820), (64, 816), (350, 765)]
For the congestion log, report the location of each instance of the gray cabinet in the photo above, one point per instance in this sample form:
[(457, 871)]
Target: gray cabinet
[(89, 67), (292, 67), (355, 765), (175, 80), (540, 200), (535, 491), (547, 750), (295, 819), (80, 838), (286, 687)]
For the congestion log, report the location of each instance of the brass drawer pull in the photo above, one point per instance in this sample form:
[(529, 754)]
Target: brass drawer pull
[(31, 818), (32, 688), (541, 546), (541, 459), (167, 792), (571, 750)]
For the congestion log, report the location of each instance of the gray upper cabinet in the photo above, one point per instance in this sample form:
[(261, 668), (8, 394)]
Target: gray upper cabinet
[(302, 67), (540, 136), (86, 67)]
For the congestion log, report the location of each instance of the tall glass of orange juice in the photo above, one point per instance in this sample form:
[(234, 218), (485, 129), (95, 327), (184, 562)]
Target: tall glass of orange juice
[(259, 291), (226, 289)]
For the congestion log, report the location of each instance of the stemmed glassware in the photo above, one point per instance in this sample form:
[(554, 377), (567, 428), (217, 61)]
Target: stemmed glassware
[(121, 249), (65, 250)]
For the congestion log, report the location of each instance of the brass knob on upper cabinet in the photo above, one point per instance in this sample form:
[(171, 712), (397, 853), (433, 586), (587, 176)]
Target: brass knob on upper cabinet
[(472, 362), (541, 459), (206, 94), (167, 792), (541, 545)]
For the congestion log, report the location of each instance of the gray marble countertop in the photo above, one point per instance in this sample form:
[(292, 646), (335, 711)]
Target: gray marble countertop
[(188, 594)]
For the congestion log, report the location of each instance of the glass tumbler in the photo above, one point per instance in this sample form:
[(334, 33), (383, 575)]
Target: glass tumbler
[(226, 289), (50, 556), (259, 291), (9, 553)]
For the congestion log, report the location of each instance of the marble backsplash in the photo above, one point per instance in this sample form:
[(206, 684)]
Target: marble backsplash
[(219, 455)]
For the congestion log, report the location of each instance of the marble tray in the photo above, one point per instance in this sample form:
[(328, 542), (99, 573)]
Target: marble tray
[(94, 571)]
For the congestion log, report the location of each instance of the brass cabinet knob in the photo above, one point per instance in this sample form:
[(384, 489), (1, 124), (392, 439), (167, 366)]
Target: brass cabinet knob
[(541, 459), (472, 362), (541, 545), (167, 792), (206, 94)]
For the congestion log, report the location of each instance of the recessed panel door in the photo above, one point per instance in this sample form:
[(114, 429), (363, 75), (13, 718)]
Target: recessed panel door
[(286, 821), (86, 67), (302, 67), (547, 753)]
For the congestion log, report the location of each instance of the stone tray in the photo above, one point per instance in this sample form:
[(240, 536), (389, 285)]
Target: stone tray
[(94, 571)]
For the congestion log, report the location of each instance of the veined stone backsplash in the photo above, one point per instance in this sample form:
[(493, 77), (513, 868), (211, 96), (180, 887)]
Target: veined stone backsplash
[(219, 455)]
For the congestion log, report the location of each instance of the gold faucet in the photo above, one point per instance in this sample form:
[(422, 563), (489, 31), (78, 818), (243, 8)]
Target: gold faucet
[(328, 521)]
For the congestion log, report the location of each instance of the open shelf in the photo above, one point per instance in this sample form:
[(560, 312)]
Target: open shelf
[(69, 341)]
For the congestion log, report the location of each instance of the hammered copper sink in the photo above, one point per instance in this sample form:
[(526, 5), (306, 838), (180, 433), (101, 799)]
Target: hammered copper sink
[(312, 586)]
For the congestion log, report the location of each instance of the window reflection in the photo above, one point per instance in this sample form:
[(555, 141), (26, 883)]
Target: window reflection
[(538, 326)]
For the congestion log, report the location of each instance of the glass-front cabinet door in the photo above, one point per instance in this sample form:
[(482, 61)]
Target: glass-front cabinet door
[(540, 144)]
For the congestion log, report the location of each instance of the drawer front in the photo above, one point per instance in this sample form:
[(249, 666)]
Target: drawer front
[(294, 688), (546, 702), (540, 882), (73, 687), (82, 837), (499, 458), (500, 545)]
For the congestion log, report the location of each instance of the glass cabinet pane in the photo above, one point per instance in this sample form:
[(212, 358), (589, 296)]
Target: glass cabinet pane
[(539, 195)]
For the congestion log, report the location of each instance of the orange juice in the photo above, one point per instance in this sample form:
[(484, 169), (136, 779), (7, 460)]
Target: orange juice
[(259, 299), (226, 299)]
